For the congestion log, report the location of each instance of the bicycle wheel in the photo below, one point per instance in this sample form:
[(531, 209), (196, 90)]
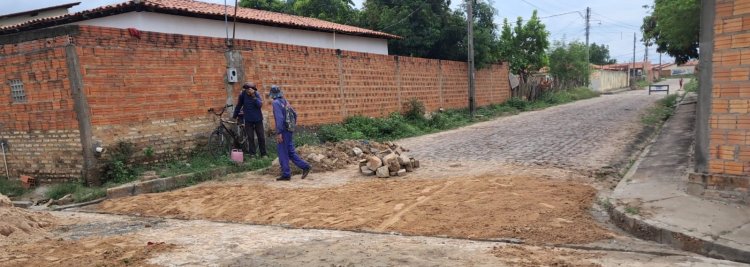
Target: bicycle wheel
[(242, 139), (219, 144)]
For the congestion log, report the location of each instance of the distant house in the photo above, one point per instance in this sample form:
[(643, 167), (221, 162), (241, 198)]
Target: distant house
[(637, 69), (682, 69), (41, 13)]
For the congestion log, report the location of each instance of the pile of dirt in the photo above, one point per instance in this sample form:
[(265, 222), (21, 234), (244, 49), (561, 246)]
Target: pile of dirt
[(19, 225), (96, 251), (535, 256), (527, 208), (337, 155), (5, 201)]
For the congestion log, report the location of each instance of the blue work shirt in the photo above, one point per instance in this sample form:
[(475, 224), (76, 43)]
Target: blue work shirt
[(279, 114), (249, 106)]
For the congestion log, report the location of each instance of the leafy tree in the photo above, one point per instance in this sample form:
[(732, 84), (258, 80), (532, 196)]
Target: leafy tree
[(429, 28), (339, 11), (674, 27), (524, 45), (568, 63), (420, 22), (599, 54), (486, 43), (269, 5)]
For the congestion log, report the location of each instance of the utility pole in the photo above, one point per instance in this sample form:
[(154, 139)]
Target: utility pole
[(588, 27), (634, 55), (470, 22), (645, 60), (588, 53), (660, 65)]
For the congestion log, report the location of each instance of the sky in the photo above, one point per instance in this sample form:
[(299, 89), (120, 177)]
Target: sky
[(613, 22)]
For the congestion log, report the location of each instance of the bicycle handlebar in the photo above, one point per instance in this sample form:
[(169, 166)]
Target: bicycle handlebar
[(212, 110)]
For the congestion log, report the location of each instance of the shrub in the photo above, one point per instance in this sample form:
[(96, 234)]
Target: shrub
[(415, 110), (337, 132), (691, 86), (117, 167), (661, 111), (517, 103), (305, 137)]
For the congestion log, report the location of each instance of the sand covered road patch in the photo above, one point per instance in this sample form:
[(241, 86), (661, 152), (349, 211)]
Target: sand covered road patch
[(534, 210), (93, 251), (528, 256)]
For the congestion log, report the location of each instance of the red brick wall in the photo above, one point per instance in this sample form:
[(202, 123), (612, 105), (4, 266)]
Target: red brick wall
[(729, 124), (42, 133), (154, 90), (373, 85)]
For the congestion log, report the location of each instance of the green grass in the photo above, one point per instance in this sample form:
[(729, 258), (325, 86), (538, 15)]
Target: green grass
[(11, 188), (412, 123), (80, 192), (659, 113), (691, 86), (632, 210), (200, 162)]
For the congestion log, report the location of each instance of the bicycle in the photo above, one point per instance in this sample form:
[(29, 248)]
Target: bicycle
[(222, 140)]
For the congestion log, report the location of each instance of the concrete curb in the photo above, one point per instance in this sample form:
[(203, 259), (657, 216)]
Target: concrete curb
[(616, 91), (76, 205), (662, 233), (638, 227)]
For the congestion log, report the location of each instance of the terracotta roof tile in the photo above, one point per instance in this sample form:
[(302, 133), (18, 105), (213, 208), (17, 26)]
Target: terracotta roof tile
[(192, 7)]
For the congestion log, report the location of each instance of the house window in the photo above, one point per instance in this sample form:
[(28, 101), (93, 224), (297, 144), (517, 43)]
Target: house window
[(16, 91)]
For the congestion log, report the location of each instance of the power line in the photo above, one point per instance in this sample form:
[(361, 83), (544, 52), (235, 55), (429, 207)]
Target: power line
[(403, 19), (562, 14), (535, 6), (616, 21)]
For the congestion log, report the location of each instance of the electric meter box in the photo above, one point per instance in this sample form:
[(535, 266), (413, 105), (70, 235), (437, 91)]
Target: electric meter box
[(232, 75)]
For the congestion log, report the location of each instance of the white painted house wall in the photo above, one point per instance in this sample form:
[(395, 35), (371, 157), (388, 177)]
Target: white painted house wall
[(606, 80), (681, 70), (165, 23)]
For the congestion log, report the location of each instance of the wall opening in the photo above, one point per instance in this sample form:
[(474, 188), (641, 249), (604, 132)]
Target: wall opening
[(17, 92)]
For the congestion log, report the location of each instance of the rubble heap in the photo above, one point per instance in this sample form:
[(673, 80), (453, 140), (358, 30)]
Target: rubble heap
[(393, 161), (339, 155)]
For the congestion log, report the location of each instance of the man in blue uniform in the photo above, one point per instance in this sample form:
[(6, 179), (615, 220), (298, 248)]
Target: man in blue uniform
[(284, 136), (249, 102)]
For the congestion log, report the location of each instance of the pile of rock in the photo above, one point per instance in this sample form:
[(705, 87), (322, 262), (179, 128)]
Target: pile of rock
[(391, 162), (333, 156)]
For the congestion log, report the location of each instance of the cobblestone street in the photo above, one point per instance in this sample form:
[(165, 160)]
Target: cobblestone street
[(588, 134)]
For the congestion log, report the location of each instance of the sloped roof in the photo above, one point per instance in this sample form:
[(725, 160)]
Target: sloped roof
[(625, 66), (194, 8), (66, 6)]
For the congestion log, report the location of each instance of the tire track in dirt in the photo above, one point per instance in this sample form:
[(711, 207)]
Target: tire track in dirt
[(422, 199), (484, 207)]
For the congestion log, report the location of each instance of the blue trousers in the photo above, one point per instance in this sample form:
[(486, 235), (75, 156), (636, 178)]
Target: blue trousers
[(286, 152)]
